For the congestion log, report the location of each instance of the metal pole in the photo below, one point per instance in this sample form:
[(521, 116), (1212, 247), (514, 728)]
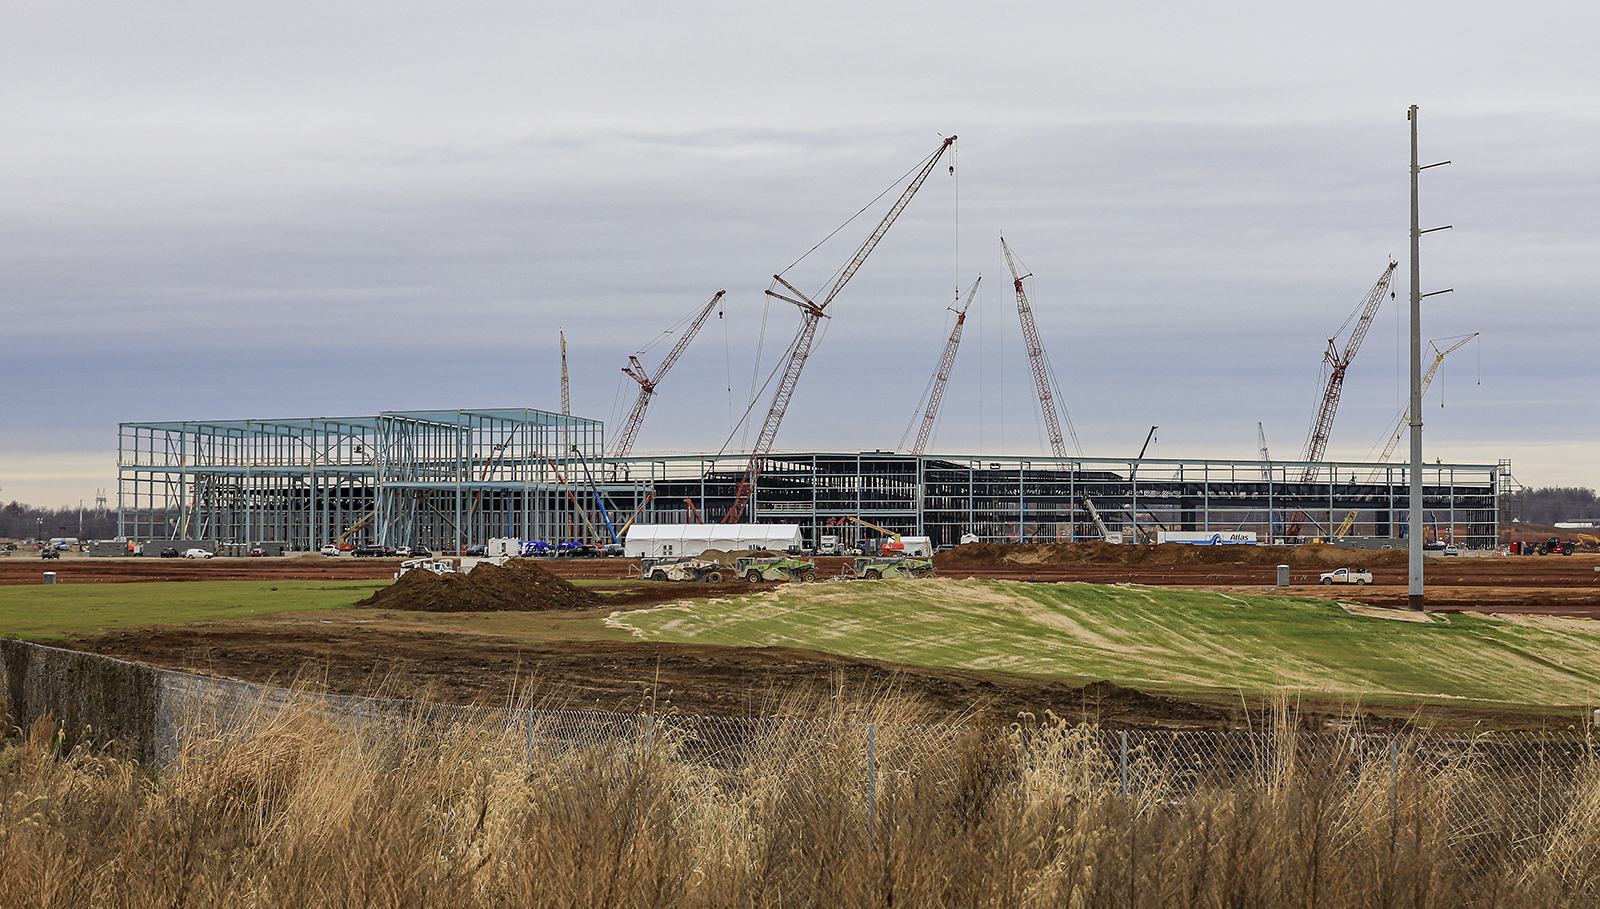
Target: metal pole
[(1414, 530)]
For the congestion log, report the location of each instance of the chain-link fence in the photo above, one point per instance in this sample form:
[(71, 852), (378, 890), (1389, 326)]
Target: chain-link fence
[(1520, 789)]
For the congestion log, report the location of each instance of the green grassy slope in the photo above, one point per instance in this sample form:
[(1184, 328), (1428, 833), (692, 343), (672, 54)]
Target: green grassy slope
[(1155, 638), (59, 610)]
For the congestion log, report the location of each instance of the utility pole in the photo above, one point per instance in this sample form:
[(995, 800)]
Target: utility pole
[(1414, 522)]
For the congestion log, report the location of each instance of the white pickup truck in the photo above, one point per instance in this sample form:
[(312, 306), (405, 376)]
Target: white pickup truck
[(1359, 576)]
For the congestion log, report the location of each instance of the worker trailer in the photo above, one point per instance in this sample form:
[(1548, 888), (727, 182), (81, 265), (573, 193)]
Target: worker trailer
[(645, 541)]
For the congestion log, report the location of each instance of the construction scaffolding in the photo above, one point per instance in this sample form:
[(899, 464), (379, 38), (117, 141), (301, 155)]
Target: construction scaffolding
[(445, 479)]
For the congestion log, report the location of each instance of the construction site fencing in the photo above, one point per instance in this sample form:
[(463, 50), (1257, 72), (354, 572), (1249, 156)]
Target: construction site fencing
[(1526, 784), (1522, 789)]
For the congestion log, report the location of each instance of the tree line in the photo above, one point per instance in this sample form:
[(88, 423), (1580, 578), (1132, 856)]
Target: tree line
[(25, 522), (1548, 504)]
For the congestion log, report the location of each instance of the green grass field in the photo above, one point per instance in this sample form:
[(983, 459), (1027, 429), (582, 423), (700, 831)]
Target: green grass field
[(44, 612), (1157, 639)]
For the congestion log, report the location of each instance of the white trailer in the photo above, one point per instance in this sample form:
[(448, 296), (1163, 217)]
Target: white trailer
[(916, 546), (1208, 538), (648, 541)]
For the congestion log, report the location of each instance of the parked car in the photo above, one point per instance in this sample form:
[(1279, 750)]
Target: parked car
[(257, 553), (49, 554), (198, 553), (373, 552), (170, 553), (329, 550)]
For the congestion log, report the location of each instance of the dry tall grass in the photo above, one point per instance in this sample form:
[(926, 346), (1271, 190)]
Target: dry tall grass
[(304, 812)]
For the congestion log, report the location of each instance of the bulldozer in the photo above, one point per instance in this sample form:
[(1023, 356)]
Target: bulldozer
[(757, 569), (685, 568)]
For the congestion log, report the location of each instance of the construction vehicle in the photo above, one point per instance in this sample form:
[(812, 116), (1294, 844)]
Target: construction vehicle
[(648, 383), (756, 569), (892, 542), (1043, 376), (1106, 535), (683, 568), (1337, 364), (344, 538), (436, 566), (873, 569), (812, 313), (941, 376), (1558, 546), (1357, 576)]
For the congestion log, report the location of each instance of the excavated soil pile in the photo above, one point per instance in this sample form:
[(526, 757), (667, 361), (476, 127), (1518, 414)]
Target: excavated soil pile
[(1001, 555), (519, 586)]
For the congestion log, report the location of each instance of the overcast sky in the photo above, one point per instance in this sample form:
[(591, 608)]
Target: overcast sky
[(226, 211)]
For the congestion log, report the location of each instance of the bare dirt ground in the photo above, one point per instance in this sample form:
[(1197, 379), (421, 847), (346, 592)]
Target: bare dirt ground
[(368, 652)]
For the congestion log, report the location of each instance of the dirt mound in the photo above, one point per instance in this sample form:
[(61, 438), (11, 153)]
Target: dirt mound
[(519, 586), (999, 555)]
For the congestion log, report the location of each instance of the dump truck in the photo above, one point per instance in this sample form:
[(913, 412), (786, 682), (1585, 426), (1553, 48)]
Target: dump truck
[(872, 569), (684, 568), (757, 569)]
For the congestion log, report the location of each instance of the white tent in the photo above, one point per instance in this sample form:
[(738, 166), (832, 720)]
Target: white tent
[(655, 540)]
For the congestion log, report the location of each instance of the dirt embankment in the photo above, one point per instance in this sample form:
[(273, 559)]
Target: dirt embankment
[(519, 586), (1310, 555)]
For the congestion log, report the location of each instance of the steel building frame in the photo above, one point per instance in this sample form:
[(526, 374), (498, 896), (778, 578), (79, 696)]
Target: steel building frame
[(445, 479), (1041, 499), (451, 479)]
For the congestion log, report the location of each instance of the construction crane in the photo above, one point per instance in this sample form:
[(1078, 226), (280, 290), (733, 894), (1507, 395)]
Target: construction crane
[(1037, 359), (811, 313), (942, 375), (1402, 423), (566, 400), (1337, 364), (1266, 459), (648, 382)]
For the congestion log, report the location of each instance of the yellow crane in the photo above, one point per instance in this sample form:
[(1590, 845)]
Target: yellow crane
[(1400, 427)]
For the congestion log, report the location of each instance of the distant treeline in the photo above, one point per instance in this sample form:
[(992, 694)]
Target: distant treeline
[(25, 522), (1549, 504)]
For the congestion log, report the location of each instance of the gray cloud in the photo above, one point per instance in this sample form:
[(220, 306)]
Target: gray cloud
[(347, 208)]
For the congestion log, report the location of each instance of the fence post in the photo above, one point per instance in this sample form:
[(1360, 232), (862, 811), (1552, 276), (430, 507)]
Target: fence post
[(872, 777), (527, 748), (1124, 763), (1394, 775)]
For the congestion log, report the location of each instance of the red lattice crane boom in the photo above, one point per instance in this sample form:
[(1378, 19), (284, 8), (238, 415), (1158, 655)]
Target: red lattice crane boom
[(648, 383), (1317, 442), (811, 313), (1036, 356), (942, 376)]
